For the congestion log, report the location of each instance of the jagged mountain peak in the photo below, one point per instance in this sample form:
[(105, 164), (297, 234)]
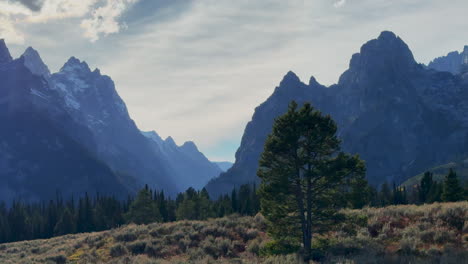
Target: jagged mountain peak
[(33, 61), (388, 50), (4, 52), (388, 55), (290, 78), (190, 146), (170, 141), (75, 65), (313, 82)]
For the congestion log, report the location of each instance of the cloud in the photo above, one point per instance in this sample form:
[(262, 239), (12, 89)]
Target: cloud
[(197, 70), (8, 32), (339, 3), (33, 5), (94, 17), (103, 20)]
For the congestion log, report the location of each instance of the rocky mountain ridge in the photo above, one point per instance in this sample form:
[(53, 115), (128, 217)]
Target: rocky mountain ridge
[(399, 116)]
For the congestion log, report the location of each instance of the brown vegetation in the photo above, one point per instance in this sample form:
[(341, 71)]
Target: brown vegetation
[(436, 233)]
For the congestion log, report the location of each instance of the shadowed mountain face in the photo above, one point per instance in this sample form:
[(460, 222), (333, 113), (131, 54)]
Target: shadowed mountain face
[(38, 157), (398, 116)]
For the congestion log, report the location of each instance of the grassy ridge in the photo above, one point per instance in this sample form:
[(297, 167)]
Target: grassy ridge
[(439, 173), (436, 233)]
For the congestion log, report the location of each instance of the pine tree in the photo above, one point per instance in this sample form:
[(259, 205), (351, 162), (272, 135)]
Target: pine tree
[(66, 224), (234, 204), (143, 209), (302, 170), (425, 187), (385, 195), (205, 206), (435, 193), (452, 190), (360, 193), (245, 200)]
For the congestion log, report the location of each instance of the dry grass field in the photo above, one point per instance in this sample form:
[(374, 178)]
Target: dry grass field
[(436, 233)]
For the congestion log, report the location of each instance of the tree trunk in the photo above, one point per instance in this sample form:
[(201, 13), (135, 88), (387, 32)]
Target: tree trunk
[(308, 229)]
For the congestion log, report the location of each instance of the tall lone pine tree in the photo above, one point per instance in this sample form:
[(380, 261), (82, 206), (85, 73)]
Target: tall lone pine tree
[(303, 176)]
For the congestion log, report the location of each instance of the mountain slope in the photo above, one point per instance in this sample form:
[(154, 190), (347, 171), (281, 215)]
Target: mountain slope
[(397, 115), (189, 166), (37, 156)]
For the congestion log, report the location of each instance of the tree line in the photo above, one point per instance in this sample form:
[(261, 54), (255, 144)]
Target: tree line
[(427, 190), (26, 221)]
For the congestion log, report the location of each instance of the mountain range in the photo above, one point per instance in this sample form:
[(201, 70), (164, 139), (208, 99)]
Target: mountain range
[(71, 132), (400, 116)]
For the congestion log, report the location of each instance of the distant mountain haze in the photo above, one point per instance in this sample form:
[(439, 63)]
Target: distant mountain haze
[(223, 165), (398, 115), (191, 168)]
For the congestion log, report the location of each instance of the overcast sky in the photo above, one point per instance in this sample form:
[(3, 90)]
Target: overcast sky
[(196, 70)]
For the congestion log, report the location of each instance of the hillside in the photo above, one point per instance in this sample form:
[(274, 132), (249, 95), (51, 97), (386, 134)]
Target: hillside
[(435, 233), (439, 173)]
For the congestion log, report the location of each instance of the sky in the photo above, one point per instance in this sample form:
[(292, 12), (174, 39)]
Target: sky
[(196, 70)]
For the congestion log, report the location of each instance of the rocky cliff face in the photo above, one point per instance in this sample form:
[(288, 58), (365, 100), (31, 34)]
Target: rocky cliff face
[(398, 116), (453, 62)]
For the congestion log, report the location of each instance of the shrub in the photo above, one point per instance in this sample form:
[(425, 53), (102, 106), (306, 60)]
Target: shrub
[(278, 248), (427, 236), (153, 251), (196, 253), (126, 237), (59, 259), (454, 217), (443, 235), (409, 246), (375, 228), (118, 250), (254, 246), (249, 234), (137, 247)]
